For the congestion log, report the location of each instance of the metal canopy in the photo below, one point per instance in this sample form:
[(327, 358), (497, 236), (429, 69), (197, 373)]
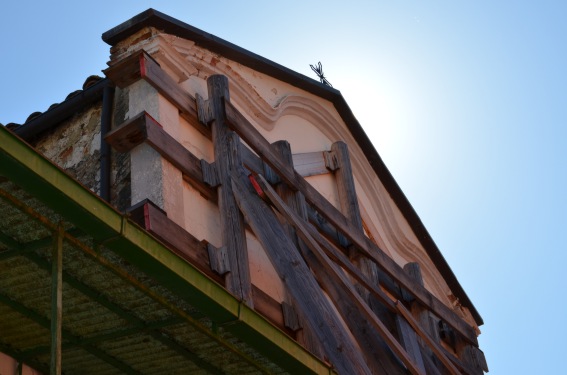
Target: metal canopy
[(129, 304)]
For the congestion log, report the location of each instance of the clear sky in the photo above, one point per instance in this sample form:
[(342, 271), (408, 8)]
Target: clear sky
[(466, 102)]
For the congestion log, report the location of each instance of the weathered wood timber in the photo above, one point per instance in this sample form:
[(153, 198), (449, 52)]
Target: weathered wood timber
[(310, 164), (475, 359), (297, 202), (336, 341), (434, 346), (345, 184), (154, 220), (408, 339), (218, 258), (344, 178), (272, 310), (142, 128), (343, 261), (407, 333), (259, 144), (423, 317), (142, 65), (204, 176), (377, 353), (347, 300), (227, 159), (291, 320)]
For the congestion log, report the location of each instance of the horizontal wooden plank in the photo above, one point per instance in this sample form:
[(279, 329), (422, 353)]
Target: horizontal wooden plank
[(344, 294), (129, 134), (181, 242), (262, 147), (310, 163), (143, 128), (126, 71), (142, 66), (184, 244)]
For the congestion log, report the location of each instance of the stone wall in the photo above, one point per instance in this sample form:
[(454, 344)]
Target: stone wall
[(75, 146)]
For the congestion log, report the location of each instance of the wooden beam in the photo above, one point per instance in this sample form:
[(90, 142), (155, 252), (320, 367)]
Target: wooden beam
[(295, 274), (339, 159), (337, 284), (424, 319), (310, 163), (142, 66), (142, 128), (424, 336), (57, 299), (411, 268), (345, 184), (261, 146), (296, 201), (475, 360), (272, 310), (227, 159), (408, 336), (155, 221)]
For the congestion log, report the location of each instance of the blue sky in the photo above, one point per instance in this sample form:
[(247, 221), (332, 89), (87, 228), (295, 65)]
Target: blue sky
[(466, 102)]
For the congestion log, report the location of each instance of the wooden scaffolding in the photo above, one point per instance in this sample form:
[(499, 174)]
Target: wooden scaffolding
[(365, 313)]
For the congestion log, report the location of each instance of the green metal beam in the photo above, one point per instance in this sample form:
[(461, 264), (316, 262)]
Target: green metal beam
[(17, 248), (39, 350), (10, 242), (56, 300), (185, 352), (46, 323), (128, 316), (45, 181), (125, 276), (39, 177)]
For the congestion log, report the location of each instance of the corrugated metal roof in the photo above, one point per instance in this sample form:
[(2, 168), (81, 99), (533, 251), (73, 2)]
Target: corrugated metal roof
[(121, 313)]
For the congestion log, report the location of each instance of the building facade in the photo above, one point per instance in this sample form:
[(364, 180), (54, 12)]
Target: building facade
[(210, 211)]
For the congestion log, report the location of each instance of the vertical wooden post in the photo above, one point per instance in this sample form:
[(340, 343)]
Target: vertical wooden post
[(294, 272), (227, 158), (56, 299), (408, 337), (296, 201), (349, 203), (345, 184), (360, 319), (423, 318), (350, 208)]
